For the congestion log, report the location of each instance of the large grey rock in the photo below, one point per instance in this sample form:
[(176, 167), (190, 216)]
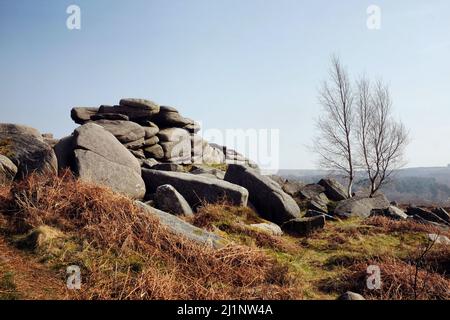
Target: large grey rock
[(124, 131), (184, 229), (64, 153), (8, 170), (94, 168), (333, 189), (266, 195), (361, 207), (82, 115), (390, 212), (94, 138), (168, 199), (25, 147), (100, 158), (196, 189), (304, 226)]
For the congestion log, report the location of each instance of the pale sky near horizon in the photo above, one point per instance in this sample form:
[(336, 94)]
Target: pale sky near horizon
[(227, 63)]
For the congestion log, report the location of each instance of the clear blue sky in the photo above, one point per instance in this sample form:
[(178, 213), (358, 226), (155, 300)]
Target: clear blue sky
[(228, 63)]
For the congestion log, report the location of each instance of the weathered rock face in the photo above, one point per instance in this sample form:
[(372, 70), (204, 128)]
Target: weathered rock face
[(360, 206), (266, 195), (170, 200), (333, 189), (25, 147), (101, 159), (304, 226), (196, 189), (313, 213), (8, 169), (390, 212), (184, 229)]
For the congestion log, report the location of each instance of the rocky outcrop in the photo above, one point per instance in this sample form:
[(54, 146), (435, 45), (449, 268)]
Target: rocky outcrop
[(266, 195), (184, 229), (26, 148), (168, 136), (102, 159), (360, 206), (333, 189), (196, 189), (168, 199)]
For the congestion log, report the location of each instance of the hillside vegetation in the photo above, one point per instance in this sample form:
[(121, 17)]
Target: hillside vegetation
[(49, 222)]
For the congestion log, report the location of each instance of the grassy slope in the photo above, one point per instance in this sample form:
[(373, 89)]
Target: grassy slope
[(125, 255)]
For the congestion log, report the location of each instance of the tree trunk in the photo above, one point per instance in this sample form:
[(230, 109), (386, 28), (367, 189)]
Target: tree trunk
[(350, 187)]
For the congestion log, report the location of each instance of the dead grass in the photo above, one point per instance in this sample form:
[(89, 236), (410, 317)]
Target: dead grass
[(126, 254), (398, 282), (235, 223), (387, 225)]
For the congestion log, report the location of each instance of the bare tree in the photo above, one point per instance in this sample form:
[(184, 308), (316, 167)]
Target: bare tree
[(381, 139), (334, 142)]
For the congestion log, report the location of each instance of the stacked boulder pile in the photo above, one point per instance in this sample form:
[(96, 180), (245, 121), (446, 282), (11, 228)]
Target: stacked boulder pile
[(154, 133), (155, 156)]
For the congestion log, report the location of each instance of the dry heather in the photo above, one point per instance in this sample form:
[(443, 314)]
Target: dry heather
[(126, 254)]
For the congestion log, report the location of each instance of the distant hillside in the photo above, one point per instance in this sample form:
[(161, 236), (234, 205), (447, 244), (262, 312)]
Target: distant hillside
[(426, 185)]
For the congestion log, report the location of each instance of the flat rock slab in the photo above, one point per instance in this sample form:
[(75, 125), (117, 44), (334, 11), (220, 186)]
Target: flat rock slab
[(184, 229), (81, 115), (196, 189), (124, 131), (360, 206), (266, 195)]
